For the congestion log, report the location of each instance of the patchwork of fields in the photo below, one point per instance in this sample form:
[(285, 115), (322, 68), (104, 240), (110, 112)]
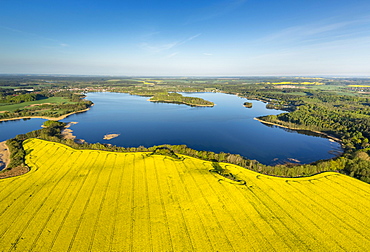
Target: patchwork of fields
[(82, 200)]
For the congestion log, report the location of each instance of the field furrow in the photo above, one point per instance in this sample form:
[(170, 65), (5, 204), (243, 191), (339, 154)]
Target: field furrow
[(195, 224), (122, 239), (103, 226), (33, 189), (331, 218), (72, 210), (87, 211), (18, 190), (161, 238), (236, 224), (162, 217), (180, 233), (58, 211), (140, 212), (206, 200), (334, 188), (298, 214), (85, 234), (38, 222), (256, 236)]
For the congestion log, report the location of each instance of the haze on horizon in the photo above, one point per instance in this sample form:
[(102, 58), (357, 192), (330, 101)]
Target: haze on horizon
[(187, 38)]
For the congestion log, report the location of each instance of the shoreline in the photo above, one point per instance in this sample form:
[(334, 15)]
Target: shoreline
[(314, 131), (46, 117)]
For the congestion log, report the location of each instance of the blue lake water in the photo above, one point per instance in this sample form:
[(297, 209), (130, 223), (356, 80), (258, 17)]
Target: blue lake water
[(227, 127)]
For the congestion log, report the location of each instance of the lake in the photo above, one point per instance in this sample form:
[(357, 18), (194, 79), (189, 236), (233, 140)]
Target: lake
[(226, 127)]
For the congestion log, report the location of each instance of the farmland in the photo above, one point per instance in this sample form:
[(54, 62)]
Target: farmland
[(89, 200), (50, 100)]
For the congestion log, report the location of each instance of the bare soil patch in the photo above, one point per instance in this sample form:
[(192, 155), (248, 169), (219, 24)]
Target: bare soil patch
[(110, 136), (39, 104), (20, 170), (4, 155), (67, 133), (287, 86)]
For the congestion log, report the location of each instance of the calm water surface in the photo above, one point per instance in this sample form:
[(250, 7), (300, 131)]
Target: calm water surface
[(9, 129), (227, 127)]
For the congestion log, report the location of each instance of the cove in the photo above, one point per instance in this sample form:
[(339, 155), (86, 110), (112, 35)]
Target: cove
[(226, 127)]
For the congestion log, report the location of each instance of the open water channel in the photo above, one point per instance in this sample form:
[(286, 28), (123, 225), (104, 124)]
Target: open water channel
[(226, 127)]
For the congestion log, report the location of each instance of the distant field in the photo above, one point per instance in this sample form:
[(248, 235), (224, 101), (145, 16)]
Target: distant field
[(290, 93), (13, 107), (338, 89), (295, 83), (8, 87), (86, 200), (359, 86)]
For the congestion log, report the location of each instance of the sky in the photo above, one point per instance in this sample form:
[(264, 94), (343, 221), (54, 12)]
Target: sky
[(185, 38)]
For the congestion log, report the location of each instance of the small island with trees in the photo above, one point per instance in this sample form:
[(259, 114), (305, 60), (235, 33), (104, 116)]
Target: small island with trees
[(247, 104)]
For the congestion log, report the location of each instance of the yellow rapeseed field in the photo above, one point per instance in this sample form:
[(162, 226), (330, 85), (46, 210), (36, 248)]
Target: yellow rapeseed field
[(297, 83), (88, 200), (359, 85)]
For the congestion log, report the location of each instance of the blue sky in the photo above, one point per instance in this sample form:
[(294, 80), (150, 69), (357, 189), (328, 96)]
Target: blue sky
[(185, 38)]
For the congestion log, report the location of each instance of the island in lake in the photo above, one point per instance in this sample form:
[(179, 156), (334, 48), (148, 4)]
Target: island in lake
[(178, 98), (110, 136), (247, 104)]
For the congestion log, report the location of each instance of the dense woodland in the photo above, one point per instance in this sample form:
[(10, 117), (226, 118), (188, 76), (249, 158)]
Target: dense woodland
[(333, 106)]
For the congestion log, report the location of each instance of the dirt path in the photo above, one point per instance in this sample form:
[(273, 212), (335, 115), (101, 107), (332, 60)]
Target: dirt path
[(4, 161), (4, 155)]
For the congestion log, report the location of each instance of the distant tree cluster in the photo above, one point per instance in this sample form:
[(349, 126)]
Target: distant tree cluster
[(14, 99)]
